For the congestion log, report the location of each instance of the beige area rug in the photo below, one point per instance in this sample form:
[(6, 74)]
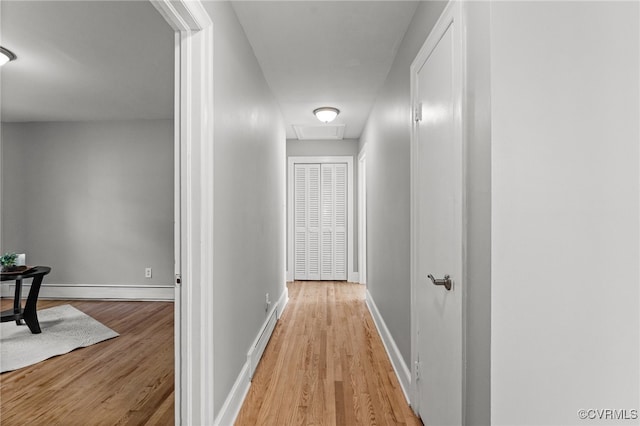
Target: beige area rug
[(64, 328)]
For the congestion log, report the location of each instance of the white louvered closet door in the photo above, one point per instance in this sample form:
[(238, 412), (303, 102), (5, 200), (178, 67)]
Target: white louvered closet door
[(334, 222), (307, 221), (320, 196)]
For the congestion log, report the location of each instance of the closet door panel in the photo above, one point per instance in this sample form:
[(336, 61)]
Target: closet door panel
[(320, 196), (327, 222), (307, 221), (340, 222), (313, 222)]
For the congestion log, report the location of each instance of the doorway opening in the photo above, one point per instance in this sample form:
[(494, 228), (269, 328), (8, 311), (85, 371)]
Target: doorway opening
[(307, 250), (438, 274)]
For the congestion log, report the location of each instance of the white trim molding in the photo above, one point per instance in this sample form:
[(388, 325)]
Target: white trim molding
[(283, 301), (362, 216), (259, 344), (399, 366), (183, 15), (233, 403), (128, 292), (292, 161), (194, 384)]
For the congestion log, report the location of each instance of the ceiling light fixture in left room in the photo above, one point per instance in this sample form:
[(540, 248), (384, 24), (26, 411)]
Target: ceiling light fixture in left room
[(6, 56)]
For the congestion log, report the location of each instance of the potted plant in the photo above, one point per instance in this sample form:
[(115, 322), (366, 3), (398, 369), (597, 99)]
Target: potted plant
[(8, 262)]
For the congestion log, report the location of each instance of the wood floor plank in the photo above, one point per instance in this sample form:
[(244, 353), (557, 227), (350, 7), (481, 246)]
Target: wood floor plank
[(126, 380), (325, 365)]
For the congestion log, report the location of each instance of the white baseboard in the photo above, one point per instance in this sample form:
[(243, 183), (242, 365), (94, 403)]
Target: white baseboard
[(283, 301), (231, 407), (352, 277), (233, 403), (96, 291), (260, 343), (399, 366)]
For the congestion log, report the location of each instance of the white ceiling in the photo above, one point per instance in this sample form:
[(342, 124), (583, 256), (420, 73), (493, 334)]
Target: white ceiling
[(107, 60), (86, 60), (325, 53)]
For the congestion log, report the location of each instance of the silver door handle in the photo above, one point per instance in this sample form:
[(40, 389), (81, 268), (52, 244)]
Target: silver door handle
[(446, 281)]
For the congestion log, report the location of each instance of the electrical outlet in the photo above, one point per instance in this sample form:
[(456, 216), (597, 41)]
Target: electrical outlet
[(147, 272), (267, 303)]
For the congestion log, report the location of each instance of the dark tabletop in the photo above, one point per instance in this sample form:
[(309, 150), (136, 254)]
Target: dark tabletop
[(30, 273)]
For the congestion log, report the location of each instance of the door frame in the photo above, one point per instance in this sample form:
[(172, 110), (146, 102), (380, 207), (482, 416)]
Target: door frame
[(193, 209), (453, 12), (291, 162), (362, 216)]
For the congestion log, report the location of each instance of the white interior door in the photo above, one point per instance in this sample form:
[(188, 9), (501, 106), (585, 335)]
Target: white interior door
[(334, 222), (320, 197), (307, 221), (438, 224)]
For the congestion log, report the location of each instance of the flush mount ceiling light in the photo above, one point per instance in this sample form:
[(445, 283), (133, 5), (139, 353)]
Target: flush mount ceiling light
[(326, 114), (6, 56)]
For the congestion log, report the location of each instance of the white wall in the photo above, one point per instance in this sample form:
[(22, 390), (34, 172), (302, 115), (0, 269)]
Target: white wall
[(93, 200), (387, 138), (12, 223), (478, 210), (249, 198), (565, 243), (310, 148)]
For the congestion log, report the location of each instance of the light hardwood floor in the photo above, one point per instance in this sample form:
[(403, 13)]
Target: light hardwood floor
[(128, 380), (325, 365)]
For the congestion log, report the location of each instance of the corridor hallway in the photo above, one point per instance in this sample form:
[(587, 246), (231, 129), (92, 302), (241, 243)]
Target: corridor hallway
[(325, 364)]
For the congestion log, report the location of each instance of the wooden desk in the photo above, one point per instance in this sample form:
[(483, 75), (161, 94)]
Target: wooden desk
[(28, 314)]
